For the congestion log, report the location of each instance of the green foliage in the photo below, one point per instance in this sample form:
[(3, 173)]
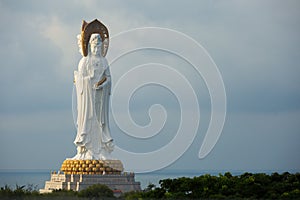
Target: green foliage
[(133, 195), (61, 193), (19, 192), (227, 186), (97, 190)]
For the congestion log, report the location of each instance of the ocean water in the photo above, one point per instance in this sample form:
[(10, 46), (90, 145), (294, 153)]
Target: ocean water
[(37, 178)]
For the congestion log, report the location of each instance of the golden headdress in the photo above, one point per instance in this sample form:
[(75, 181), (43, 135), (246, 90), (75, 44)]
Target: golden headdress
[(87, 29)]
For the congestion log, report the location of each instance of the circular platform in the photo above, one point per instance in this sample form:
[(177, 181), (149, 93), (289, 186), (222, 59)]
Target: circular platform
[(92, 167)]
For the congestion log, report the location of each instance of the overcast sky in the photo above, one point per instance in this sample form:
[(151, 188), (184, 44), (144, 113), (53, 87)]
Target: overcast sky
[(255, 44)]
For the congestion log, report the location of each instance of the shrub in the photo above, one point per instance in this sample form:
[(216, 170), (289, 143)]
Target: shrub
[(97, 190)]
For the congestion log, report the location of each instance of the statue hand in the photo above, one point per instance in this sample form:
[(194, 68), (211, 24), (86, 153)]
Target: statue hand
[(98, 84)]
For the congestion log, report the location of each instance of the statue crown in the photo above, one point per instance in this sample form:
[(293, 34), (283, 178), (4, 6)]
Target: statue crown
[(87, 29)]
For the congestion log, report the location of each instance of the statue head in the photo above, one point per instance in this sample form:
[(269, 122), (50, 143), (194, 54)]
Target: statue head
[(96, 44), (93, 27)]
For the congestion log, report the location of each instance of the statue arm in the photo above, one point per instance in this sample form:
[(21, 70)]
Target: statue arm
[(99, 83), (80, 66), (104, 80)]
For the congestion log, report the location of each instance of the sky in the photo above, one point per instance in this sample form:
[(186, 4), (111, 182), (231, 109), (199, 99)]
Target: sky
[(254, 44)]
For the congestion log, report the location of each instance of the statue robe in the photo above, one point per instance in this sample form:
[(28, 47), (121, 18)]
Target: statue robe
[(92, 108)]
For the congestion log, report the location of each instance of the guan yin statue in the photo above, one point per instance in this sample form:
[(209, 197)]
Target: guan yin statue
[(93, 85), (93, 163)]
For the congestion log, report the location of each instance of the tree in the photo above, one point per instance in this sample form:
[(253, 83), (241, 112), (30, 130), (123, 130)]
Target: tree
[(227, 186), (97, 190)]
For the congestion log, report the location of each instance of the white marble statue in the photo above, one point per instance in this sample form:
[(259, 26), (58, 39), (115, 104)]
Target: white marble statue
[(93, 87)]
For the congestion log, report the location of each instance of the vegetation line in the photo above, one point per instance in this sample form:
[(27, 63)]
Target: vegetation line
[(223, 186)]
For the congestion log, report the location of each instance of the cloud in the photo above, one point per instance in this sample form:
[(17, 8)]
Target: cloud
[(255, 45), (28, 64)]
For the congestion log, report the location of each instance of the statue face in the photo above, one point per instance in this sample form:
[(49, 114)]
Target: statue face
[(96, 49), (96, 43)]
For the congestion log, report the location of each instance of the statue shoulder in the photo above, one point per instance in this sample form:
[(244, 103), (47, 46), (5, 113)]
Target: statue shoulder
[(82, 60), (82, 64)]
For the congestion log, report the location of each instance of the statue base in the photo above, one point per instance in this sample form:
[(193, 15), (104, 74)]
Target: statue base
[(92, 167), (80, 174)]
